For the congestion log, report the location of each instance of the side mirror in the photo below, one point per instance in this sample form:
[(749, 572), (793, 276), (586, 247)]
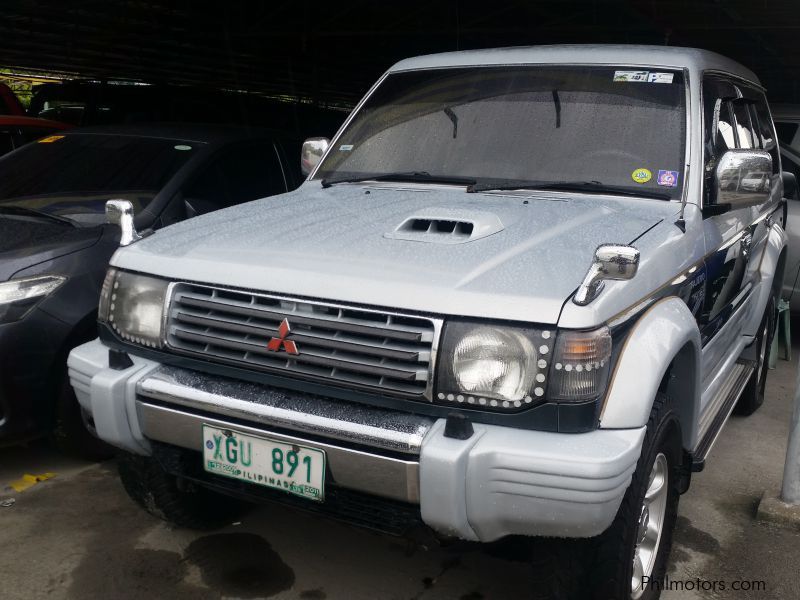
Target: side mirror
[(120, 212), (313, 151), (611, 262), (743, 178), (789, 184)]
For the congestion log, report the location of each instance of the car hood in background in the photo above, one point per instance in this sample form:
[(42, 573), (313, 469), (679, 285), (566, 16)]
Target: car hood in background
[(342, 244), (27, 241)]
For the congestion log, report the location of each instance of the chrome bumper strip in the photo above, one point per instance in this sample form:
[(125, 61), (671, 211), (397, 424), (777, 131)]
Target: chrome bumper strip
[(274, 408), (370, 473)]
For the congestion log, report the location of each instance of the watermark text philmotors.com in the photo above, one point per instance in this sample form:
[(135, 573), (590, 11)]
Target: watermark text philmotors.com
[(704, 585)]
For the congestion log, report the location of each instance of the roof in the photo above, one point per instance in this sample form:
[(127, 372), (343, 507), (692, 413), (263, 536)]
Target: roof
[(187, 132), (629, 55), (18, 121)]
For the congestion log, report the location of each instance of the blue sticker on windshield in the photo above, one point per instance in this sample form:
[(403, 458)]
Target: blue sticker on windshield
[(345, 147), (667, 178)]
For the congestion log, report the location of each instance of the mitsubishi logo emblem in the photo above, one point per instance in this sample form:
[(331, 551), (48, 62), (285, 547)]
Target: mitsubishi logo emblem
[(276, 343)]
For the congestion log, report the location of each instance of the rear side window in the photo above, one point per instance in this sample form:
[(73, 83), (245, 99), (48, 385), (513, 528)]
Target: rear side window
[(240, 174)]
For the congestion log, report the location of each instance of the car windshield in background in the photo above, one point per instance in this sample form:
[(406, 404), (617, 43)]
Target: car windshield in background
[(593, 129), (74, 174)]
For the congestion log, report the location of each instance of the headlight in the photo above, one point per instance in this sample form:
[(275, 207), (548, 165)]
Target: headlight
[(19, 296), (514, 368), (493, 367), (133, 306)]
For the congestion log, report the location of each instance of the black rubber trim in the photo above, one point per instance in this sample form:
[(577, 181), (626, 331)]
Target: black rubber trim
[(577, 418)]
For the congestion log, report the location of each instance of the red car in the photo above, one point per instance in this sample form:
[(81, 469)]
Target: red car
[(9, 103), (16, 131)]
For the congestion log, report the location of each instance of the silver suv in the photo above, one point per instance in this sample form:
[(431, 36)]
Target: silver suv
[(520, 293)]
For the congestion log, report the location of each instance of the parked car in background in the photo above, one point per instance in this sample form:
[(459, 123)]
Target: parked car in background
[(16, 131), (9, 103), (100, 103), (787, 124), (55, 244), (520, 293)]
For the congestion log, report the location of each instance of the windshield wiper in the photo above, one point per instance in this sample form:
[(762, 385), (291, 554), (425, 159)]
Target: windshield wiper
[(31, 212), (566, 186), (404, 176)]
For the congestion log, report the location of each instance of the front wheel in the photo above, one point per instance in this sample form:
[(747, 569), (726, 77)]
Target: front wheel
[(631, 555), (172, 499)]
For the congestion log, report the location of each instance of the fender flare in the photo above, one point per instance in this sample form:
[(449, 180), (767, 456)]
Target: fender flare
[(665, 331)]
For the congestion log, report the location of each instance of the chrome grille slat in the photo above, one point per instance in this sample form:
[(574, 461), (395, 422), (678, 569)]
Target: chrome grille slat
[(305, 357), (314, 340), (389, 352), (342, 325)]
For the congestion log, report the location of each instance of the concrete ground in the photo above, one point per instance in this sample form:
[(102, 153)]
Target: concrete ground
[(78, 536)]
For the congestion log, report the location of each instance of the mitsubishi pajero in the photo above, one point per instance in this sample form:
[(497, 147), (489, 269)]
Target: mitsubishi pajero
[(520, 293)]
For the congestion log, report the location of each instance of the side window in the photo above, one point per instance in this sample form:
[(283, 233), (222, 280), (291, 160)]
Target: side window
[(252, 171), (719, 127), (744, 127), (240, 174)]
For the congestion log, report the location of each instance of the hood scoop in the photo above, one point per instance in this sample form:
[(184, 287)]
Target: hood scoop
[(447, 226)]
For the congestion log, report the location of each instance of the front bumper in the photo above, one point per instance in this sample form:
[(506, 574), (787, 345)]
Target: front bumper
[(501, 481), (30, 371)]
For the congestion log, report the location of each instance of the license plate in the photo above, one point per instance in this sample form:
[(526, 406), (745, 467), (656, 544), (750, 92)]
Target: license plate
[(290, 468)]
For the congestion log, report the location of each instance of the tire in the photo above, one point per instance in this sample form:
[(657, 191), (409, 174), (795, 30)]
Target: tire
[(73, 432), (615, 551), (753, 395), (175, 500)]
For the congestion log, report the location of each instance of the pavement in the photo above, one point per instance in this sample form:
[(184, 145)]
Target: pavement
[(78, 536)]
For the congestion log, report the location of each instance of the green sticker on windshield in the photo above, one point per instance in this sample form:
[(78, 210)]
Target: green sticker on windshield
[(641, 175), (183, 147)]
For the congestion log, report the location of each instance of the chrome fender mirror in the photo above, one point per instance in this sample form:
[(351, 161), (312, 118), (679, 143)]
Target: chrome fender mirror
[(312, 152), (611, 262), (120, 212)]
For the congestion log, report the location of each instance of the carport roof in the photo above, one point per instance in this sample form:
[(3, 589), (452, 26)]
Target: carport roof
[(333, 51)]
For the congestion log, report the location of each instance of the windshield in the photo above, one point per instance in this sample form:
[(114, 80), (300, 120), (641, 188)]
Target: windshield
[(74, 174), (614, 126)]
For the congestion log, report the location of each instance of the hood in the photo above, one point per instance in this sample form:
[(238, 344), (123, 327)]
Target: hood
[(508, 256), (26, 241)]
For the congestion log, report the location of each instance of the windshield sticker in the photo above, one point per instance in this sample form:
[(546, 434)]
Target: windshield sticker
[(183, 147), (641, 175), (345, 147), (660, 77), (643, 76), (50, 139), (631, 75), (667, 178)]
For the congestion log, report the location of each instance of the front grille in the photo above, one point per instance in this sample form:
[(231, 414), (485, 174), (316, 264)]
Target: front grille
[(362, 347)]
